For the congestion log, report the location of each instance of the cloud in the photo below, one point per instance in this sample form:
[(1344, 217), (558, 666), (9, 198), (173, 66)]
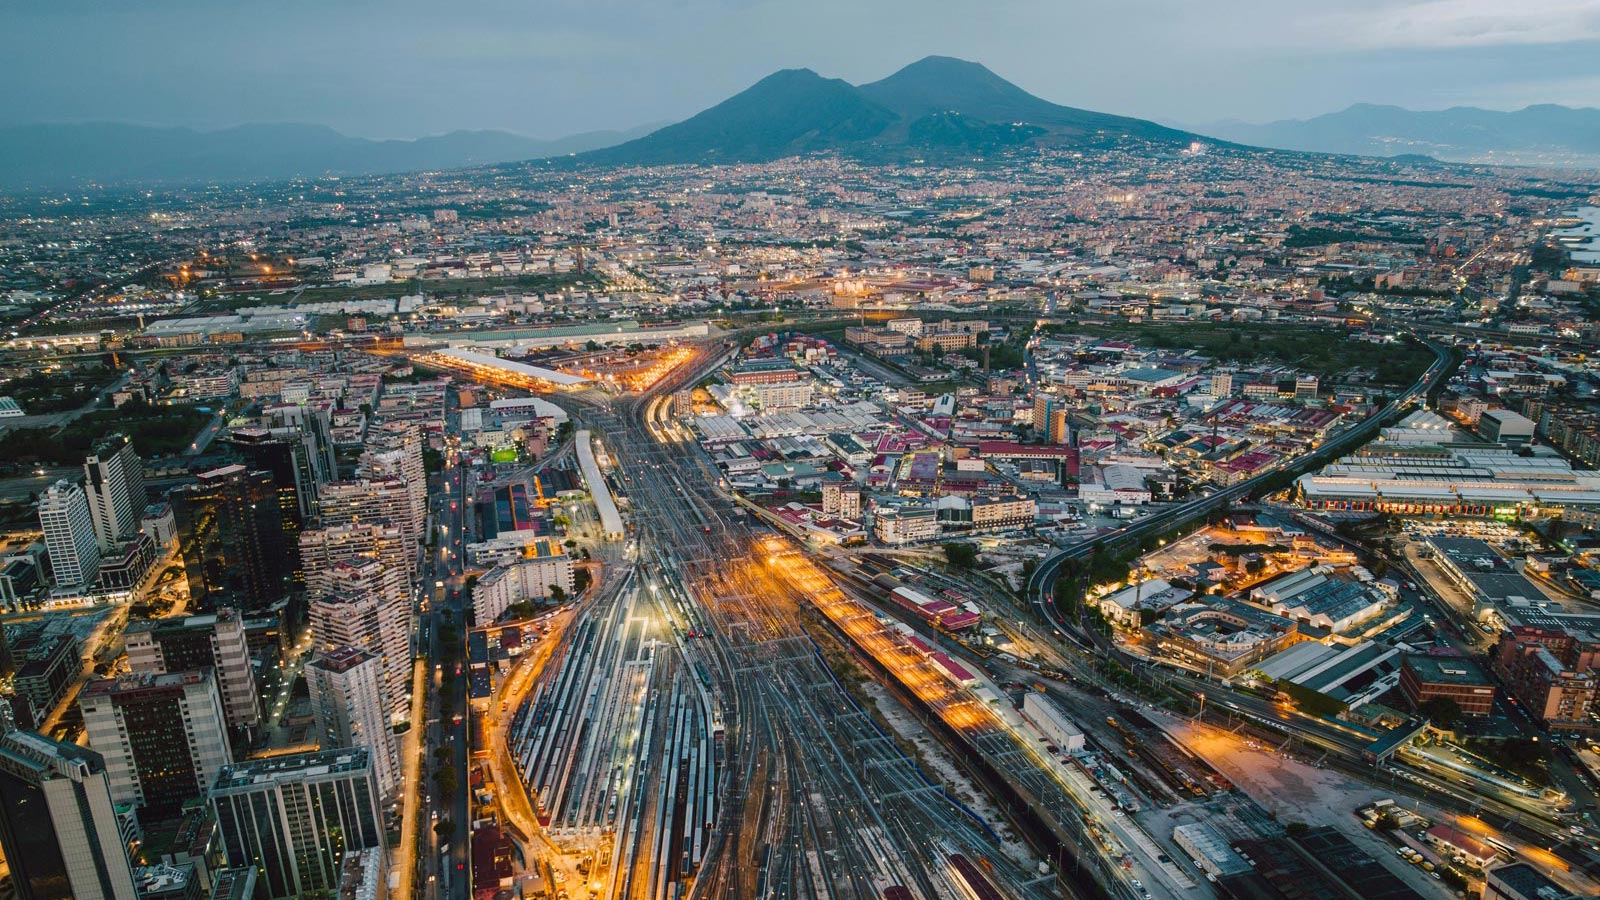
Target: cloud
[(1574, 90), (481, 43), (1451, 24), (407, 67)]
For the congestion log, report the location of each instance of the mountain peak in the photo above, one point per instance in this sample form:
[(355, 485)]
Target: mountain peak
[(946, 84), (939, 85), (789, 112), (938, 103), (944, 66), (800, 76)]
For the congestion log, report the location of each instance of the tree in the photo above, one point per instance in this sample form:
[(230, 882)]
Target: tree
[(1029, 566), (1065, 594), (1442, 712), (558, 594), (445, 778), (580, 581), (961, 555), (445, 829)]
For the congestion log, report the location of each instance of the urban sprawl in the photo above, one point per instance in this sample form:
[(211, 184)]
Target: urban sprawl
[(1107, 523)]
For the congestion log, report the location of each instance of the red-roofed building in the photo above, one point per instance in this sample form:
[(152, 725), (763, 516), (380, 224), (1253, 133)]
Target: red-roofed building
[(1066, 457), (491, 862), (1242, 467), (1453, 841), (954, 670)]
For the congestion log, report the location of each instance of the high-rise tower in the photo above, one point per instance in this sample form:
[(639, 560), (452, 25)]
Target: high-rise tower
[(234, 549), (69, 536), (58, 826), (113, 482), (295, 818), (163, 737), (347, 691)]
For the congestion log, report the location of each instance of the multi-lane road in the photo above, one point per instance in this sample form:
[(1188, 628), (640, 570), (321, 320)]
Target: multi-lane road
[(442, 871)]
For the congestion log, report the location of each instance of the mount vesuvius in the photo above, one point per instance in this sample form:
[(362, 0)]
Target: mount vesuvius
[(935, 105)]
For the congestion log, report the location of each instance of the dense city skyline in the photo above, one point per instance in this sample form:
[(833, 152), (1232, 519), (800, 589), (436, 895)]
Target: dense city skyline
[(405, 70), (890, 481)]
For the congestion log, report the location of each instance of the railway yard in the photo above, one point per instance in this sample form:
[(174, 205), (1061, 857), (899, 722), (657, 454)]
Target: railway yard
[(688, 716), (699, 728)]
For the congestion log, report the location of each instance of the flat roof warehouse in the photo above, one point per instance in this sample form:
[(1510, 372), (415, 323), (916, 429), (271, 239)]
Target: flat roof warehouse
[(495, 367)]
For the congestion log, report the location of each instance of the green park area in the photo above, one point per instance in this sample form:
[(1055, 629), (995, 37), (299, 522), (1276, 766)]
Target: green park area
[(40, 393), (1327, 353), (155, 430)]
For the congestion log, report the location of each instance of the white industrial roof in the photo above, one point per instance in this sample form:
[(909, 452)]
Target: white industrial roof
[(494, 362), (599, 491)]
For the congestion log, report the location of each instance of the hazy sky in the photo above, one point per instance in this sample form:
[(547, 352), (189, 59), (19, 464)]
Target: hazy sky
[(402, 68)]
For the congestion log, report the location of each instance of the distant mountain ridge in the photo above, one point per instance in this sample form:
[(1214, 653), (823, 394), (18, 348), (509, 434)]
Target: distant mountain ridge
[(51, 156), (937, 104), (936, 107), (1545, 132)]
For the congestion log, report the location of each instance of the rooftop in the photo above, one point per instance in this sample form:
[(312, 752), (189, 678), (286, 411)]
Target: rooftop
[(142, 681), (1445, 669), (489, 361), (44, 755), (1529, 882), (248, 774), (162, 878), (342, 659)]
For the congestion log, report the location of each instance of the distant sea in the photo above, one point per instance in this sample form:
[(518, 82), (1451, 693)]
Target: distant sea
[(1583, 240)]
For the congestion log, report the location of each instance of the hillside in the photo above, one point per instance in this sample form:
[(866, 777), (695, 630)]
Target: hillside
[(935, 105), (789, 112)]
